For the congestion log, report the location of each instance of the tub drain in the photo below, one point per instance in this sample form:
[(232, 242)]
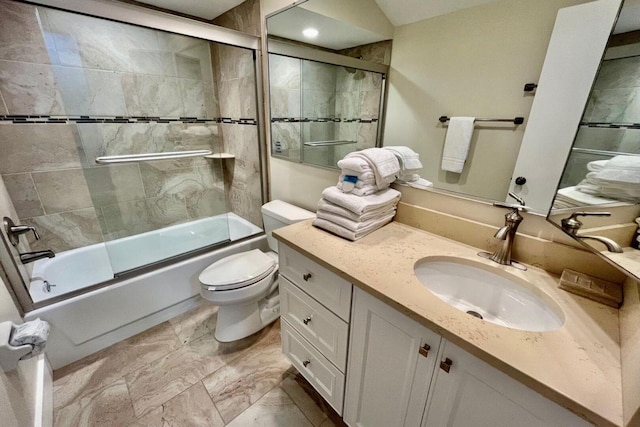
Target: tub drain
[(475, 314)]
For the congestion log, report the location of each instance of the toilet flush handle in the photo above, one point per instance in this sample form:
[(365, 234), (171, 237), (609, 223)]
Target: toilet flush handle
[(306, 277)]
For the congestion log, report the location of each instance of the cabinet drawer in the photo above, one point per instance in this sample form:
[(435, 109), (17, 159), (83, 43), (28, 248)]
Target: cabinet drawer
[(323, 376), (323, 329), (327, 288)]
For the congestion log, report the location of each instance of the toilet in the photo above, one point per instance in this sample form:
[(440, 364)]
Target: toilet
[(245, 285)]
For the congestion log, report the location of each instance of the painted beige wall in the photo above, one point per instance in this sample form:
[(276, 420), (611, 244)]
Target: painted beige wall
[(472, 62)]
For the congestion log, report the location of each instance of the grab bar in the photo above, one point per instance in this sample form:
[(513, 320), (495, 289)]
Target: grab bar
[(326, 143), (132, 158), (515, 120)]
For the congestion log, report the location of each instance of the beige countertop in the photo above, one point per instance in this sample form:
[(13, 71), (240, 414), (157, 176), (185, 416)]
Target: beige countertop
[(577, 365)]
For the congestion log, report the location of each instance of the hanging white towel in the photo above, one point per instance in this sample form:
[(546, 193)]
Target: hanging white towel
[(456, 143)]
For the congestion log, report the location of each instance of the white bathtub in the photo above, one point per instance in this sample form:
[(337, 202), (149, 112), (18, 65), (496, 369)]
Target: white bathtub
[(97, 319), (78, 268)]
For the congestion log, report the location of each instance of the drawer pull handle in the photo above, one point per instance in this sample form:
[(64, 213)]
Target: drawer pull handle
[(306, 362), (424, 350), (307, 320), (306, 277), (446, 365)]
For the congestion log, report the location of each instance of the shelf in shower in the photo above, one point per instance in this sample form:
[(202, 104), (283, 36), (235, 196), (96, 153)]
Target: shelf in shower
[(220, 156)]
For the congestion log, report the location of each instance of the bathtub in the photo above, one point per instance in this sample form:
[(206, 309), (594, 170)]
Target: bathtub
[(89, 322), (79, 268)]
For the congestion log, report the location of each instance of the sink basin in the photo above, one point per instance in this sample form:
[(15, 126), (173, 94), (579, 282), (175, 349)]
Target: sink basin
[(493, 295)]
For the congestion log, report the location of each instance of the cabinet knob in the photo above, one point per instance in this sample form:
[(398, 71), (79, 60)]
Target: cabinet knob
[(446, 365), (306, 320), (424, 350), (306, 277), (521, 180), (306, 363)]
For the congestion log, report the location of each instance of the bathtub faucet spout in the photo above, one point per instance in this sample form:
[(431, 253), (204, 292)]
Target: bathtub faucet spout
[(28, 257)]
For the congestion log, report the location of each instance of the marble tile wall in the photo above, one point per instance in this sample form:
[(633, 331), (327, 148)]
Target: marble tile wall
[(235, 81), (325, 91), (616, 92), (58, 63)]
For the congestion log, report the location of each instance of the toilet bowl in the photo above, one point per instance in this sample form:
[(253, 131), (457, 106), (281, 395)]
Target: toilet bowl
[(245, 286)]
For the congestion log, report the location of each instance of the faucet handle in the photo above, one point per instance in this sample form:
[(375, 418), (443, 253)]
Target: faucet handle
[(516, 207), (517, 198), (14, 231), (572, 224)]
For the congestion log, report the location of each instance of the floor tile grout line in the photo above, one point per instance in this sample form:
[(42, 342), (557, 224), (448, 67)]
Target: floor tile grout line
[(301, 409), (212, 402)]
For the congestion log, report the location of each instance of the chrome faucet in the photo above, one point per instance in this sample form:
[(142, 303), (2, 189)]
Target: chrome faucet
[(14, 231), (512, 220), (28, 257), (572, 224)]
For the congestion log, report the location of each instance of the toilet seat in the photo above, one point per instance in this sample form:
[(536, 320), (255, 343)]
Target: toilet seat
[(237, 271)]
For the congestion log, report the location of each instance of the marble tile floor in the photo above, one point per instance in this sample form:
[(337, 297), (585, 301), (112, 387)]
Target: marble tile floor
[(177, 374)]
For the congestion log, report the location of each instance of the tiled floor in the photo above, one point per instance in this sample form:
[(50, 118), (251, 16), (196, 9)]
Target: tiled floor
[(177, 374)]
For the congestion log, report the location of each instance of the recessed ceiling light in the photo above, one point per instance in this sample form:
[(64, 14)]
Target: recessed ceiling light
[(310, 33)]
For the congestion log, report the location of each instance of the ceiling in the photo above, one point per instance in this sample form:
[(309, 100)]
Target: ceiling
[(402, 12), (207, 9)]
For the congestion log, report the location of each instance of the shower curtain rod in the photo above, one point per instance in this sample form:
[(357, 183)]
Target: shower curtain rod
[(146, 157)]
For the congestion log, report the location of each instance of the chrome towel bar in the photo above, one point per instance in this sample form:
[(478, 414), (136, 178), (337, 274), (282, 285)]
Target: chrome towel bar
[(146, 157), (515, 120)]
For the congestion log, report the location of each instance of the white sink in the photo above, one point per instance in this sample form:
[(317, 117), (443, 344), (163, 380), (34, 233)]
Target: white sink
[(492, 294)]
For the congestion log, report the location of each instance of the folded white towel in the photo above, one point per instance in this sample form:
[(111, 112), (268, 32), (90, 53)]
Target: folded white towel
[(363, 190), (572, 197), (596, 165), (456, 143), (361, 205), (383, 163), (351, 225), (34, 332), (354, 165), (623, 162), (327, 206), (408, 159), (348, 234), (361, 181)]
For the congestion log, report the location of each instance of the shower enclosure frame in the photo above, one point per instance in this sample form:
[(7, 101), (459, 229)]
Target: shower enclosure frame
[(156, 20)]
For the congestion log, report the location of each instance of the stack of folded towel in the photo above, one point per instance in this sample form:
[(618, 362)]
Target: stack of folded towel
[(618, 178), (362, 201), (353, 217)]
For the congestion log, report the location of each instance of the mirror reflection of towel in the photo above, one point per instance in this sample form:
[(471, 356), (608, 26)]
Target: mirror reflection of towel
[(456, 143)]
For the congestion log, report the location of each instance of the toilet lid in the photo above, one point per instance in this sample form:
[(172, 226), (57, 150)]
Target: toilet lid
[(238, 270)]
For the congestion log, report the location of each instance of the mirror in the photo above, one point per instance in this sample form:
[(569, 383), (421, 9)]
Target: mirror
[(456, 61), (324, 102), (602, 172)]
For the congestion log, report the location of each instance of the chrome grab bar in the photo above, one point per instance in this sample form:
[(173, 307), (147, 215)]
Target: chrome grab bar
[(146, 157), (326, 143)]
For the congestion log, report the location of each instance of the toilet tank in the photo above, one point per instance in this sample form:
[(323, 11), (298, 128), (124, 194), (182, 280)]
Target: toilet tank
[(277, 214)]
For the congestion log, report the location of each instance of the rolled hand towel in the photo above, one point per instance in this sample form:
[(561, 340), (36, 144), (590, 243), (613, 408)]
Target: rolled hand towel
[(339, 210), (408, 159), (353, 225), (363, 190), (596, 165), (364, 204), (383, 163), (348, 234), (357, 165)]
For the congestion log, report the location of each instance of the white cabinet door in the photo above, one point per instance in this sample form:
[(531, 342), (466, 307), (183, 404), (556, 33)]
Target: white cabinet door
[(388, 378), (474, 394)]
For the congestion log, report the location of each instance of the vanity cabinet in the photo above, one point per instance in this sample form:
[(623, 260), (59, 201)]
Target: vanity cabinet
[(468, 392), (391, 362), (315, 312), (394, 380)]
